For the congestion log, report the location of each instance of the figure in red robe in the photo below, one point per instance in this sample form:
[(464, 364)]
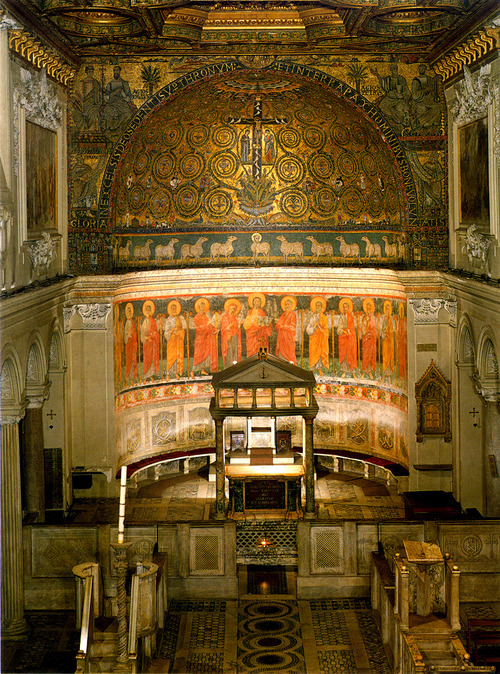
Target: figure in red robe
[(230, 333), (205, 341), (402, 343), (150, 338), (130, 339), (286, 326), (369, 338), (257, 325), (346, 330)]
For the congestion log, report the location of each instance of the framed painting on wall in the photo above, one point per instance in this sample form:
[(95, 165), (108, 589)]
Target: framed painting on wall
[(41, 172), (474, 183)]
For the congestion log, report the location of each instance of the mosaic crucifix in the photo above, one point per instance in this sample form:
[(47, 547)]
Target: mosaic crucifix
[(251, 146)]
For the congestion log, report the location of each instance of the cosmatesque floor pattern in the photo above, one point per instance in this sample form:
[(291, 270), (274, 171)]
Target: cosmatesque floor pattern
[(191, 497)]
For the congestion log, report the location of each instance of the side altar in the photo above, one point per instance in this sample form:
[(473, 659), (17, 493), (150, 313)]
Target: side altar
[(264, 474)]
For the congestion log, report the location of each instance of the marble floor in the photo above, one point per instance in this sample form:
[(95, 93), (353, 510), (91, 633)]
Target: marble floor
[(191, 497)]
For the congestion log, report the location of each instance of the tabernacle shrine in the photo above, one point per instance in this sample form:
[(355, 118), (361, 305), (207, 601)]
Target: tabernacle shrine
[(250, 335)]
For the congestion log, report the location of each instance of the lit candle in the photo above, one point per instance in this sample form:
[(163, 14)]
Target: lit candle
[(121, 513)]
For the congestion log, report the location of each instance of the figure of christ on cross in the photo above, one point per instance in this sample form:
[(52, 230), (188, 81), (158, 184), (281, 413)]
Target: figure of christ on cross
[(256, 141)]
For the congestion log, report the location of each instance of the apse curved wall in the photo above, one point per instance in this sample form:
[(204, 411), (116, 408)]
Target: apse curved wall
[(172, 330), (273, 167)]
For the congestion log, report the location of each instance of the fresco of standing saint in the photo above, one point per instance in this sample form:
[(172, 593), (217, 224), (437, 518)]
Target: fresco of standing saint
[(401, 342), (257, 325), (346, 330), (230, 332), (205, 342), (318, 331), (286, 326), (387, 342), (130, 339), (150, 338), (175, 332), (369, 338)]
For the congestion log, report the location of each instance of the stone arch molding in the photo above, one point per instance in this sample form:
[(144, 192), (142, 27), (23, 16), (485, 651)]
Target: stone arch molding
[(465, 345), (12, 399), (56, 356), (486, 378), (37, 382)]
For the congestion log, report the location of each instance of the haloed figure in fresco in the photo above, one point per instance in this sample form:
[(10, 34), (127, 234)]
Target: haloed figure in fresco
[(346, 330), (230, 332), (402, 340), (387, 343), (257, 325), (369, 338), (318, 331), (286, 325), (150, 339), (130, 339), (118, 104), (205, 357), (175, 332)]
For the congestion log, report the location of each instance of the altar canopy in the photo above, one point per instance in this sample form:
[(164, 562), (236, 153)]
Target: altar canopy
[(260, 389)]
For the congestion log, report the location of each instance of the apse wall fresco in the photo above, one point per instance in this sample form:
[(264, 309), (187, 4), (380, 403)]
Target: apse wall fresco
[(233, 165), (167, 347)]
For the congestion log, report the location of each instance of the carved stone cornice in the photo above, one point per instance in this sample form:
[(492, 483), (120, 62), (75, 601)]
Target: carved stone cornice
[(94, 315), (426, 310), (68, 313), (474, 94), (41, 253), (478, 45), (28, 47)]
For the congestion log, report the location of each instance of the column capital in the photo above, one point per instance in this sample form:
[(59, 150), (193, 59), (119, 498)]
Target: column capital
[(37, 394), (12, 413)]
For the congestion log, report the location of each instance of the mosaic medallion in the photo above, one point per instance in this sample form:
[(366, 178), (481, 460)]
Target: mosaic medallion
[(314, 137), (218, 203), (191, 165), (391, 199), (375, 201), (321, 165), (160, 203), (172, 135), (293, 203), (224, 136), (290, 169), (141, 162), (137, 198), (187, 200), (348, 165), (341, 135), (197, 136), (223, 165), (324, 201), (358, 134), (163, 166), (289, 138), (369, 163), (306, 115), (353, 201)]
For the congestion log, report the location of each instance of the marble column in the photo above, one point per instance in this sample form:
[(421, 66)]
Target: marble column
[(309, 468), (220, 476), (492, 457), (14, 624), (33, 463)]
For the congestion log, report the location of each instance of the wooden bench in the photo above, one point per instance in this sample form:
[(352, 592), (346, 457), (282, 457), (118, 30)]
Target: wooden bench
[(484, 632)]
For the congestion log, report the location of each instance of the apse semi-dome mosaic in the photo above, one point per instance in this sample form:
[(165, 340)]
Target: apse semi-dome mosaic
[(261, 167)]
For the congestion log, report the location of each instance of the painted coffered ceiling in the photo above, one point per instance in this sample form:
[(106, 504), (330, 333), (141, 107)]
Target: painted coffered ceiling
[(89, 28)]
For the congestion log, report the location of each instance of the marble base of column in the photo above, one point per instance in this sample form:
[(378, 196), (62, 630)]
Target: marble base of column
[(17, 630)]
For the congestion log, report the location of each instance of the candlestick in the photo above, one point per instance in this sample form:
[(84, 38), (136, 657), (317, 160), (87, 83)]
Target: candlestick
[(121, 512)]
